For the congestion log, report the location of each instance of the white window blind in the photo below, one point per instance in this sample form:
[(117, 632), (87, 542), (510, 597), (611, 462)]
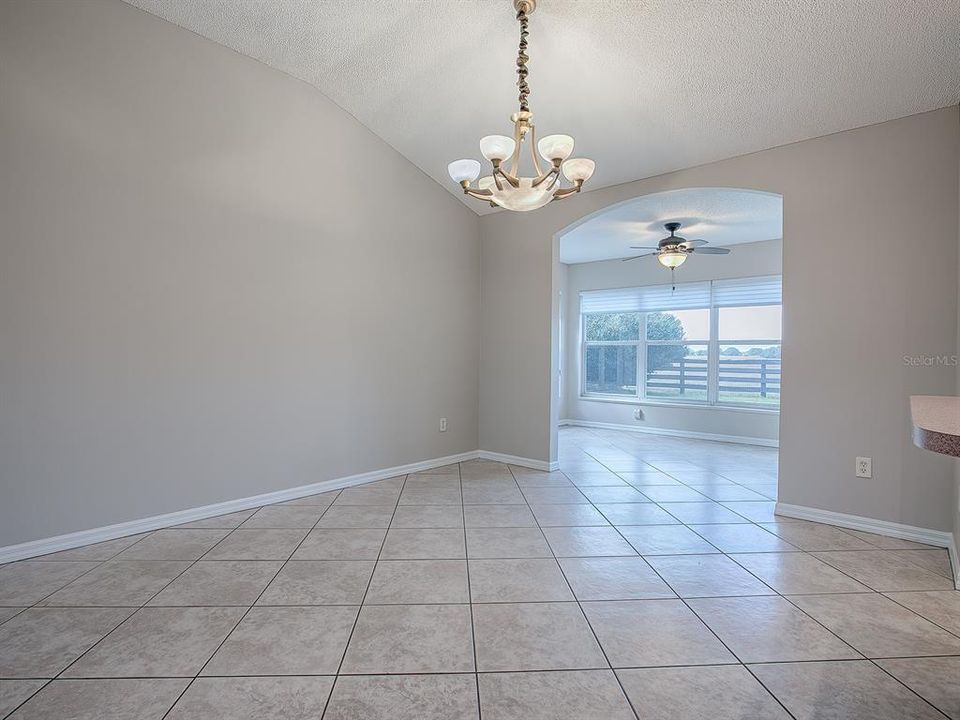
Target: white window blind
[(748, 291), (649, 298)]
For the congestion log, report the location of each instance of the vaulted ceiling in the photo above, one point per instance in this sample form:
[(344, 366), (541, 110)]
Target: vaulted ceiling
[(644, 87)]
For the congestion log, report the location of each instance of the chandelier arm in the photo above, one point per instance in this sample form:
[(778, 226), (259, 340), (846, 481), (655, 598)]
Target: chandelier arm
[(512, 179), (552, 172), (479, 194), (533, 150), (567, 192)]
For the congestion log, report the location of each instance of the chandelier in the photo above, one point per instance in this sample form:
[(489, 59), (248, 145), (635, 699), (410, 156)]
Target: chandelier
[(506, 188)]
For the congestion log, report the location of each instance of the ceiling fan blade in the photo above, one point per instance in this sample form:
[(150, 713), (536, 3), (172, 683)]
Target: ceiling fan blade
[(642, 247), (636, 257), (694, 243), (711, 251)]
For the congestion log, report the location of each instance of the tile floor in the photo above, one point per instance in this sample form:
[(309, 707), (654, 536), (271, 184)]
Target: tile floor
[(647, 579)]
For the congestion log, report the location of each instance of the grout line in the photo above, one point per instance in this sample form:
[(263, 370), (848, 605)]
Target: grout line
[(473, 628)]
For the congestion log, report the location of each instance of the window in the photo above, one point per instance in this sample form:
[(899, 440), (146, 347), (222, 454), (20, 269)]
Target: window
[(706, 343)]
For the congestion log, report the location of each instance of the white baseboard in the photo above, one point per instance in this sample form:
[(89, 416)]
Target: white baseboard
[(45, 546), (742, 439), (938, 538), (522, 461)]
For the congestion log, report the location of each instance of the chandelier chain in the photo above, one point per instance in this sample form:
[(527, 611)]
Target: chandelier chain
[(522, 61)]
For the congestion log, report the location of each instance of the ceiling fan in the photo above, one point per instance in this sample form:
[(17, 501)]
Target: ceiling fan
[(672, 251)]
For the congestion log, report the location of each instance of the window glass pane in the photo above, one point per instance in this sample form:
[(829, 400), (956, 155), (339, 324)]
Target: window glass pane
[(611, 369), (750, 323), (677, 372), (611, 326), (679, 325), (750, 374)]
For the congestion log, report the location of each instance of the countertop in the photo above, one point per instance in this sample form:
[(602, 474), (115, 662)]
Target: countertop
[(936, 423)]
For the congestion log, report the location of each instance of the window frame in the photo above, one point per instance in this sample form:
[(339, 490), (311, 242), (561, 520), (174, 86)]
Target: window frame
[(713, 345)]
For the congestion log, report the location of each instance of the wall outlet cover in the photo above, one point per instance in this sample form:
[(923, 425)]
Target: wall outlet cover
[(864, 467)]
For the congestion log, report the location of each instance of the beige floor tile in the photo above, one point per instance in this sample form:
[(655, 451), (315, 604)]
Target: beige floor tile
[(606, 494), (174, 545), (644, 633), (262, 544), (303, 516), (665, 540), (404, 697), (719, 692), (119, 583), (759, 512), (615, 578), (285, 641), (498, 493), (25, 583), (769, 629), (550, 495), (431, 496), (219, 582), (103, 699), (941, 607), (853, 690), (253, 698), (644, 479), (797, 573), (41, 642), (341, 544), (15, 692), (673, 494), (428, 516), (936, 561), (728, 493), (407, 582), (596, 479), (8, 612), (935, 679), (568, 515), (534, 636), (498, 516), (636, 514), (96, 552), (410, 639), (587, 542), (885, 542), (702, 513), (742, 538), (534, 580), (815, 536), (432, 480), (368, 495), (357, 516), (319, 582), (883, 571), (229, 521), (423, 544), (581, 694), (877, 626), (507, 543), (320, 499), (706, 576)]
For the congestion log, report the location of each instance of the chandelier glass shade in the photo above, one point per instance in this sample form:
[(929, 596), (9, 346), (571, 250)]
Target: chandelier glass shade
[(504, 186)]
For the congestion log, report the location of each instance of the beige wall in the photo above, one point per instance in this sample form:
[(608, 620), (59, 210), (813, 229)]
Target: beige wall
[(853, 203), (213, 282), (750, 259)]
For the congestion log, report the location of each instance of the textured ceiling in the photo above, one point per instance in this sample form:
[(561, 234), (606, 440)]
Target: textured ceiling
[(644, 87), (721, 216)]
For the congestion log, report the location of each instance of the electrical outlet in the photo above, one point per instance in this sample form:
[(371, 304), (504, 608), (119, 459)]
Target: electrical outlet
[(864, 467), (638, 414), (443, 424)]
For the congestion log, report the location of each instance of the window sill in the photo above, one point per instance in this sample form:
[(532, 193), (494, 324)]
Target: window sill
[(688, 406)]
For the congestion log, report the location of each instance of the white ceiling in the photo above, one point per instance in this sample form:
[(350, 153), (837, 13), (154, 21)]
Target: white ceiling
[(721, 216), (645, 87)]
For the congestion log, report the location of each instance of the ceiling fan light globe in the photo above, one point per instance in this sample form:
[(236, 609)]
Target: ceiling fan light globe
[(461, 170), (555, 147), (672, 259), (497, 147), (578, 169)]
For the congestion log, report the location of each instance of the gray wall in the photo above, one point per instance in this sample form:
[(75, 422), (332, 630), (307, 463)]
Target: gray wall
[(759, 258), (852, 203), (213, 282)]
